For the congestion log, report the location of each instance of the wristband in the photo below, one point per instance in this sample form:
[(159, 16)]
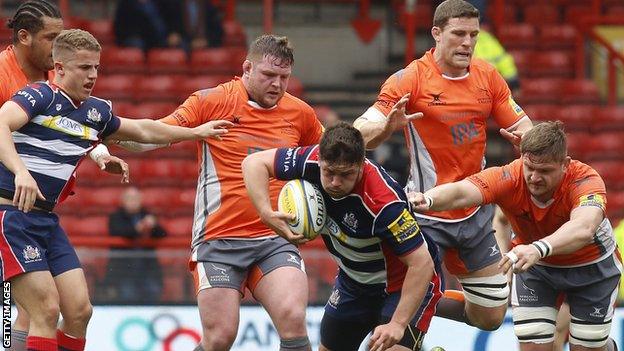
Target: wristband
[(99, 151), (543, 247)]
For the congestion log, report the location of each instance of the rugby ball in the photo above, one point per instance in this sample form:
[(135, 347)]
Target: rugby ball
[(305, 201)]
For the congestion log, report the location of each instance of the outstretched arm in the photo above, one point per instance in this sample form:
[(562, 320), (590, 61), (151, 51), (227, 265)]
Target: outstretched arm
[(257, 169), (514, 133), (150, 131), (448, 196), (376, 128)]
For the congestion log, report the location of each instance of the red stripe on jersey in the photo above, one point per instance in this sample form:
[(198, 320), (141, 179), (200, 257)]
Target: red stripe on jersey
[(427, 314), (377, 193), (11, 266), (395, 269)]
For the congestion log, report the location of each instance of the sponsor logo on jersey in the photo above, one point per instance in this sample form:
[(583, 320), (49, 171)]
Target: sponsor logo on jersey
[(31, 254), (592, 200), (404, 227), (515, 107), (436, 100), (94, 116), (67, 126)]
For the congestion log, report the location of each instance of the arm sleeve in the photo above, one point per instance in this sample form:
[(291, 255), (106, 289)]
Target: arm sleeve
[(393, 89), (34, 99), (396, 226), (588, 190), (505, 110), (111, 127), (493, 183), (199, 108), (290, 162)]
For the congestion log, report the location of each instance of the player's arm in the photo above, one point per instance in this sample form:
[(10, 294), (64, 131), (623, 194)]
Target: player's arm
[(150, 131), (12, 118), (417, 278), (257, 169), (514, 133), (450, 196), (502, 230), (377, 128)]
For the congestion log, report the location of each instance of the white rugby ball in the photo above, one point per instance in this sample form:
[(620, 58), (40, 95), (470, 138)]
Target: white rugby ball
[(305, 201)]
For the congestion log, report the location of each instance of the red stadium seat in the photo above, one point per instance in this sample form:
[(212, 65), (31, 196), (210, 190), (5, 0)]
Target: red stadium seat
[(106, 198), (561, 36), (615, 205), (577, 145), (161, 88), (522, 59), (196, 83), (116, 60), (576, 117), (117, 87), (180, 227), (541, 112), (611, 172), (556, 64), (167, 61), (608, 118), (211, 61), (152, 110), (88, 226), (574, 12), (123, 109), (541, 14), (580, 91), (538, 91), (510, 13), (605, 146), (102, 30), (517, 36), (234, 35)]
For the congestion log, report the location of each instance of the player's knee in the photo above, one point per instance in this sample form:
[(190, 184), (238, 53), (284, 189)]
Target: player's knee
[(492, 291), (82, 314), (293, 319), (535, 324), (219, 336), (590, 335), (47, 313)]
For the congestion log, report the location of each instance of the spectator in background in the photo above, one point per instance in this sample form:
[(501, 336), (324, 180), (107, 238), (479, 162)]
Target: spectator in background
[(147, 24), (490, 49), (326, 115), (132, 221), (203, 24)]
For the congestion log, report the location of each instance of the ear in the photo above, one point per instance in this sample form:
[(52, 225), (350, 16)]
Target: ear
[(24, 37), (566, 163), (247, 65), (436, 33), (58, 68)]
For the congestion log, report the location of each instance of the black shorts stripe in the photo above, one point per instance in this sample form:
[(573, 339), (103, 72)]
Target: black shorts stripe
[(484, 295), (485, 285), (534, 320), (577, 321), (590, 340), (544, 336)]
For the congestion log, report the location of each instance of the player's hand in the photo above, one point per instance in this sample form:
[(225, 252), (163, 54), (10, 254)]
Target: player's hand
[(278, 221), (520, 259), (418, 201), (397, 119), (114, 165), (213, 129), (26, 191), (385, 336), (514, 137)]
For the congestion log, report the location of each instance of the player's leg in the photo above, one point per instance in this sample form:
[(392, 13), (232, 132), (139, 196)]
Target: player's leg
[(19, 330), (76, 309), (71, 285), (534, 306), (562, 328), (592, 295), (36, 292), (219, 269), (219, 315), (278, 281), (472, 254)]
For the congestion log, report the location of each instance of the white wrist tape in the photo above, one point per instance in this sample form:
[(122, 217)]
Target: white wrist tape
[(512, 257), (543, 247), (99, 151)]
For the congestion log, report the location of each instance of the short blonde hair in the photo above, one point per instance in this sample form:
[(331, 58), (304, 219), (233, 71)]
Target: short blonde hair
[(73, 40), (547, 140)]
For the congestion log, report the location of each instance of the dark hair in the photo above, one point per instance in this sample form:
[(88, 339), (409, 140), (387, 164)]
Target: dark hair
[(453, 9), (547, 140), (271, 45), (342, 144), (29, 16)]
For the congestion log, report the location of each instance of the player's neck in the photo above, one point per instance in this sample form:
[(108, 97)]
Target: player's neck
[(447, 70), (32, 73)]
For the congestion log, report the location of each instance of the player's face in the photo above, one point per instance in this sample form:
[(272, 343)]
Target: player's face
[(455, 44), (77, 74), (543, 176), (266, 80), (41, 43), (339, 180)]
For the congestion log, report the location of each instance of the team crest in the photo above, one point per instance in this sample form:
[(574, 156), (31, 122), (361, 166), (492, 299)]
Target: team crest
[(58, 107), (31, 254), (334, 298), (350, 221), (94, 116)]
